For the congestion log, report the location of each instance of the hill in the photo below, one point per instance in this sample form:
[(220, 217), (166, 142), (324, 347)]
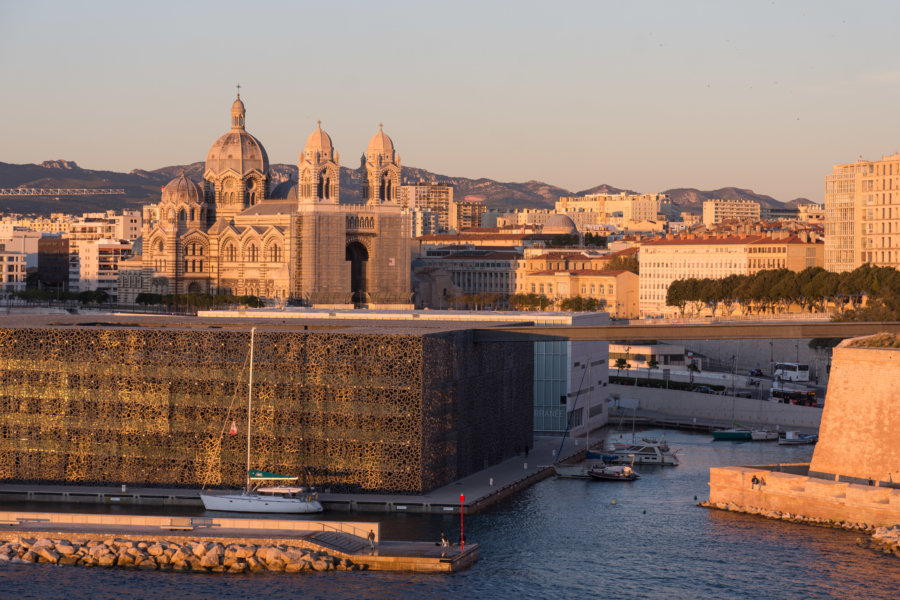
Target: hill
[(143, 187)]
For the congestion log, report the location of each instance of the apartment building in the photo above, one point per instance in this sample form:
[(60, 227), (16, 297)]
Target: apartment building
[(431, 196), (12, 270), (862, 214), (99, 265), (632, 208), (716, 211), (666, 260), (466, 214)]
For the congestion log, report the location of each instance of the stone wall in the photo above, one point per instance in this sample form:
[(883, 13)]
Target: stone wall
[(860, 435), (808, 497), (711, 407)]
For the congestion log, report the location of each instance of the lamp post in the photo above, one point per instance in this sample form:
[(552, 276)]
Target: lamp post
[(462, 539), (733, 370)]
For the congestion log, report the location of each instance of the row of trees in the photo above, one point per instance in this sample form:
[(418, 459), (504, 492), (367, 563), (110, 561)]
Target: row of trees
[(92, 297), (532, 301), (813, 289), (198, 300)]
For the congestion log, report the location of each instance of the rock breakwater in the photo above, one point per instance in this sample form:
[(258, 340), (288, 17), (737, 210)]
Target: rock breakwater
[(184, 556), (885, 540)]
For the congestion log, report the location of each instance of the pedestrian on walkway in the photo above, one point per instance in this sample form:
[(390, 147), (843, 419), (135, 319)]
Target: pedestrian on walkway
[(372, 538)]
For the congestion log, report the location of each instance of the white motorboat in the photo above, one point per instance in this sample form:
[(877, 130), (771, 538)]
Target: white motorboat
[(613, 473), (640, 453), (763, 435), (256, 498), (795, 438)]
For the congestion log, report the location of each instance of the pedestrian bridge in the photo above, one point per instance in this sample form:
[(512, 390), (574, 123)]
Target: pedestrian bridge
[(705, 331)]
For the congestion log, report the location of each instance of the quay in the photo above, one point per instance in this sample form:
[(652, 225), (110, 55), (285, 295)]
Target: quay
[(479, 490), (341, 540)]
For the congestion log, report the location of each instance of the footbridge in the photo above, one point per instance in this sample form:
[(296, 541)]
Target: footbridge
[(769, 330)]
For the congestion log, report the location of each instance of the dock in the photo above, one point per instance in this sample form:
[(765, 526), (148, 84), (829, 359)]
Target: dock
[(341, 539), (480, 490)]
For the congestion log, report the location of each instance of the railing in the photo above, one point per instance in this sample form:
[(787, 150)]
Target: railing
[(343, 526)]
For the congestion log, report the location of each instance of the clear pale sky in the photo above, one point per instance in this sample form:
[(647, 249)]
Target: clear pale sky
[(641, 95)]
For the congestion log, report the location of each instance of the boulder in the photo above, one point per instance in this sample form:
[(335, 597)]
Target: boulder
[(294, 555), (275, 565), (68, 559), (210, 559), (238, 567), (148, 564), (245, 551), (321, 565), (294, 567), (181, 566), (155, 550), (123, 559), (199, 549), (99, 550), (274, 554), (30, 556), (47, 553), (255, 565), (107, 560), (181, 555), (65, 549), (196, 564)]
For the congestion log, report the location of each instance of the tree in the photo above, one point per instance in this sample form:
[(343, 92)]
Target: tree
[(563, 240), (651, 365), (624, 263), (594, 240), (621, 363), (581, 304)]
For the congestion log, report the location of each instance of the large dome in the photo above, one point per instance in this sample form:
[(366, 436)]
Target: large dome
[(183, 190), (237, 149), (380, 142), (559, 224)]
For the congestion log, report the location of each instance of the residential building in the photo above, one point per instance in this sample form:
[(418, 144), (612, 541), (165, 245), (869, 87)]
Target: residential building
[(617, 291), (716, 211), (12, 270), (477, 271), (811, 213), (431, 196), (99, 265), (467, 213), (53, 263), (632, 208), (24, 241), (666, 260), (862, 214)]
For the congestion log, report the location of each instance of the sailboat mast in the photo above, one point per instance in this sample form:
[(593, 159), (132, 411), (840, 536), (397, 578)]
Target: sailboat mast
[(250, 404)]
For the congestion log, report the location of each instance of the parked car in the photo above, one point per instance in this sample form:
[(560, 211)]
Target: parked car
[(703, 389), (756, 373)]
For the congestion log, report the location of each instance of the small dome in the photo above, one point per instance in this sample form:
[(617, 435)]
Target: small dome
[(380, 142), (318, 140), (286, 190), (183, 190), (559, 224)]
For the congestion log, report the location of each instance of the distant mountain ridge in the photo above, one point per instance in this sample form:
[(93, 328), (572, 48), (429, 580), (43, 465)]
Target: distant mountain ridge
[(143, 187)]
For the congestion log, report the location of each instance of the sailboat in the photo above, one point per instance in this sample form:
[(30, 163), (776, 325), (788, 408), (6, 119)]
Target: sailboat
[(257, 497)]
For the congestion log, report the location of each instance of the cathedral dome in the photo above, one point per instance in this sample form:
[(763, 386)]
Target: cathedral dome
[(318, 140), (286, 190), (380, 142), (183, 190), (237, 149), (559, 225)]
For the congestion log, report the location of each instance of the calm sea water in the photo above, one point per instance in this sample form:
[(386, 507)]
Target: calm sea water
[(562, 539)]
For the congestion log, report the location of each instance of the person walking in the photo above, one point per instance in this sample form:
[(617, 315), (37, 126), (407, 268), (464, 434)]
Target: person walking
[(372, 538)]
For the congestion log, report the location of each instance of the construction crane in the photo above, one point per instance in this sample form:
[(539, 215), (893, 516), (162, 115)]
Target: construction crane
[(62, 191)]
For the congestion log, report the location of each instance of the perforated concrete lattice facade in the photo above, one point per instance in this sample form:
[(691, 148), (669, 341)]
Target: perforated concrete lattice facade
[(153, 405)]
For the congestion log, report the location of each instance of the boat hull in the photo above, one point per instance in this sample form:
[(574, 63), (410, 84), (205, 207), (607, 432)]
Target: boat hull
[(257, 504), (732, 435), (626, 458)]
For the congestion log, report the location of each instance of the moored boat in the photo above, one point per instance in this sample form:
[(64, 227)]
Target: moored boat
[(613, 473), (795, 438), (640, 453), (763, 435), (735, 433)]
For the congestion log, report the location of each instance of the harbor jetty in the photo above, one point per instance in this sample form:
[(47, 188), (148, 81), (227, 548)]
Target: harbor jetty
[(230, 545)]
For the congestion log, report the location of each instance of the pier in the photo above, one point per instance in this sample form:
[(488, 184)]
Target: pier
[(339, 539), (479, 490)]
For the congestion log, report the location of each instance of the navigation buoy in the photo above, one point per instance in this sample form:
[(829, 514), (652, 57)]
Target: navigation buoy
[(613, 502), (695, 498), (645, 512)]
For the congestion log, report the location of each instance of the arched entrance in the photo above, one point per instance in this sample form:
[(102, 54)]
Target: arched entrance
[(358, 257)]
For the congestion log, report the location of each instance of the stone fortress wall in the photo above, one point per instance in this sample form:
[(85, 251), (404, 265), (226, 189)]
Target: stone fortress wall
[(854, 476)]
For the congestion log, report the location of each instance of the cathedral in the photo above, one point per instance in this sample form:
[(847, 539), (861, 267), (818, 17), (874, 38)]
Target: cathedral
[(235, 232)]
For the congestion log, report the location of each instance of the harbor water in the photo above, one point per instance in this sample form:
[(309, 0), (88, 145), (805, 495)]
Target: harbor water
[(562, 538)]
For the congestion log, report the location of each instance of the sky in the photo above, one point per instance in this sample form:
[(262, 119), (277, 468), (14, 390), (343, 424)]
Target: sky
[(647, 96)]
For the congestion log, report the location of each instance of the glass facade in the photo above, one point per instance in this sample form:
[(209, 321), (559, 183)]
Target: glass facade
[(551, 360)]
